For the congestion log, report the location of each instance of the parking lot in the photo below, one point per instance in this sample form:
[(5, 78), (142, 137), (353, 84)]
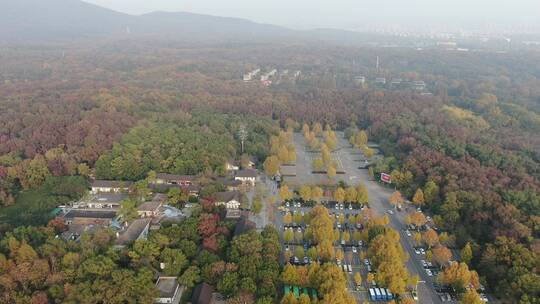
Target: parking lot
[(352, 249), (351, 161)]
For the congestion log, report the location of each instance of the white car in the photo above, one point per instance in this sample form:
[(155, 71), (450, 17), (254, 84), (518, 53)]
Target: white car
[(390, 212), (338, 262), (429, 273), (350, 207), (422, 251), (423, 263), (408, 233), (354, 249)]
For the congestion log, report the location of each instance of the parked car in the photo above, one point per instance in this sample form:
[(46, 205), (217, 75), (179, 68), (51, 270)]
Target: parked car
[(408, 233), (417, 251), (390, 212), (429, 273), (354, 249), (422, 251)]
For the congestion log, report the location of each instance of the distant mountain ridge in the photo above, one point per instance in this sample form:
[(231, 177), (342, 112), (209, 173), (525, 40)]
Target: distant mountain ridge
[(57, 20)]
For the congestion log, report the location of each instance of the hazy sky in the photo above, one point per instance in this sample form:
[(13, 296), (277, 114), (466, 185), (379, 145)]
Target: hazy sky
[(346, 13)]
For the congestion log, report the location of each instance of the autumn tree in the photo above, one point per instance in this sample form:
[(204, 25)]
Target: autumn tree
[(257, 205), (430, 238), (418, 198), (351, 194), (358, 278), (305, 192), (466, 253), (318, 164), (305, 129), (317, 128), (285, 193), (431, 192), (441, 255), (316, 193), (418, 219), (283, 155), (396, 199), (471, 297), (331, 171), (459, 276), (271, 165), (339, 195), (287, 218), (362, 195), (321, 224)]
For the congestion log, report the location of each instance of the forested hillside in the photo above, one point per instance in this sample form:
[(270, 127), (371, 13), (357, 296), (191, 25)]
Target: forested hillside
[(118, 110)]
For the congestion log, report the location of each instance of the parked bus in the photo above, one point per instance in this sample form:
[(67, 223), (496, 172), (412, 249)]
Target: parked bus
[(372, 295), (390, 295), (378, 296), (384, 296)]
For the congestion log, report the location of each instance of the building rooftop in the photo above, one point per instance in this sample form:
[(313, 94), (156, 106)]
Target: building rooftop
[(133, 231), (92, 214), (246, 173), (244, 225), (75, 231), (149, 206), (167, 176), (167, 286), (202, 294), (227, 196), (108, 198), (111, 184)]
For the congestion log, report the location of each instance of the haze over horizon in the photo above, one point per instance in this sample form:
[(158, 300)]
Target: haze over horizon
[(415, 15)]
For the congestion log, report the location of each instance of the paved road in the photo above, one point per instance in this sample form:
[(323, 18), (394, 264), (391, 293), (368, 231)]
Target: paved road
[(378, 197)]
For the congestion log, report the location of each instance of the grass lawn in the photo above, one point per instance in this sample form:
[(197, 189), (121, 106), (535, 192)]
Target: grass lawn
[(33, 207)]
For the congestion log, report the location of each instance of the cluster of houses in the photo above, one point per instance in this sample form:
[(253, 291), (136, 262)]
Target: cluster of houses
[(394, 83), (100, 209), (270, 76)]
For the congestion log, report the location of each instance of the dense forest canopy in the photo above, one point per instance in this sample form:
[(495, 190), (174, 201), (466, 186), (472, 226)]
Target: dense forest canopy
[(121, 109)]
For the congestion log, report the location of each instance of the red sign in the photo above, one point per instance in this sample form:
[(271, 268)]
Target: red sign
[(386, 178)]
